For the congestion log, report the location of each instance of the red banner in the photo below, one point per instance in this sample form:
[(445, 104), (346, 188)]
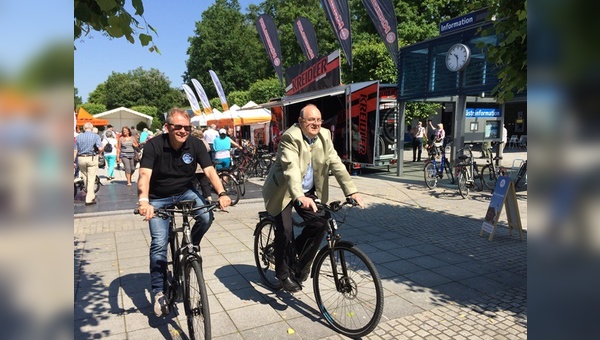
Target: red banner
[(384, 18), (338, 14), (320, 73), (268, 34), (307, 38)]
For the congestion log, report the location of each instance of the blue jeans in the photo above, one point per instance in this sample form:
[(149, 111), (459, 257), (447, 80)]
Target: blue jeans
[(159, 231)]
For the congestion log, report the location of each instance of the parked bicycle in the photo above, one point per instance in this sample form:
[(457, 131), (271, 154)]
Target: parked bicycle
[(491, 172), (78, 184), (231, 184), (521, 179), (184, 278), (467, 171), (434, 169), (346, 284)]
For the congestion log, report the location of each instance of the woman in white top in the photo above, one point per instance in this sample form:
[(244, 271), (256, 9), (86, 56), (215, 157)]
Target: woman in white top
[(111, 157)]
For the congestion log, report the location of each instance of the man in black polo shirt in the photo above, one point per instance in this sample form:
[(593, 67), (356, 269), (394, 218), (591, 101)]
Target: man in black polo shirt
[(167, 171)]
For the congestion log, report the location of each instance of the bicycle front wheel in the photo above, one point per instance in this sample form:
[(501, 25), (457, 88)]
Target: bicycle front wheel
[(463, 188), (196, 302), (430, 175), (97, 184), (264, 253), (231, 187), (488, 177), (355, 307)]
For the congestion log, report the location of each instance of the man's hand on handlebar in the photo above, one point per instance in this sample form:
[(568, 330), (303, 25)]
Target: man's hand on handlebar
[(306, 203), (224, 202), (146, 209), (358, 199)]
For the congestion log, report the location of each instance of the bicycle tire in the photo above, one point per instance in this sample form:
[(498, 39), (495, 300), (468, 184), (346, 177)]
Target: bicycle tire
[(264, 253), (196, 301), (430, 174), (522, 177), (477, 181), (488, 177), (231, 186), (96, 184), (171, 289), (449, 172), (75, 190), (463, 188), (356, 310), (242, 182)]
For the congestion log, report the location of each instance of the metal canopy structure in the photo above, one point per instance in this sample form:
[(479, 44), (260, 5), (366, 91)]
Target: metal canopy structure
[(423, 76)]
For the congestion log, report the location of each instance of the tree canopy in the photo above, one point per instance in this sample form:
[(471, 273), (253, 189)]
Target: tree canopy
[(110, 17)]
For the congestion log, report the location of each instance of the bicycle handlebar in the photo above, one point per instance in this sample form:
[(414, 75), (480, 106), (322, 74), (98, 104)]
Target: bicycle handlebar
[(335, 205), (165, 213)]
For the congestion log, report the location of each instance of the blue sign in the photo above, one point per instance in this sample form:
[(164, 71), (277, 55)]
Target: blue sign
[(483, 113), (463, 21)]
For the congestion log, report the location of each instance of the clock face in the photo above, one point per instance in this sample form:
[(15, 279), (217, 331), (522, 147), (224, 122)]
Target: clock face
[(458, 57)]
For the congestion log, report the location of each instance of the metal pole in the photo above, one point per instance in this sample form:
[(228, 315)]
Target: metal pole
[(400, 138)]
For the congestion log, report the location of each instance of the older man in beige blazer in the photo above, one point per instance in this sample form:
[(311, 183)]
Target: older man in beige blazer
[(299, 176)]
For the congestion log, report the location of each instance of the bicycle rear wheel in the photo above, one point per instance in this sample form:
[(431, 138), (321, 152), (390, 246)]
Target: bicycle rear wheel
[(231, 187), (463, 188), (196, 302), (430, 175), (264, 253), (97, 184), (488, 177), (356, 307)]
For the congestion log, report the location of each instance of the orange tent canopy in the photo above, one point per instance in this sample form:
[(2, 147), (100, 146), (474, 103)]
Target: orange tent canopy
[(83, 117)]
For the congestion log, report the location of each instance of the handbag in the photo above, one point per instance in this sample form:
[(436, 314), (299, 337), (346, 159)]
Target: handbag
[(101, 162)]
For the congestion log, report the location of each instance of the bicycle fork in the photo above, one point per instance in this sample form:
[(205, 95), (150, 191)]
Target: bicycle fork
[(332, 239)]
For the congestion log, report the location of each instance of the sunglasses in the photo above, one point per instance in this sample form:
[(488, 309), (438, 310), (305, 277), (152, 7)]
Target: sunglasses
[(178, 127)]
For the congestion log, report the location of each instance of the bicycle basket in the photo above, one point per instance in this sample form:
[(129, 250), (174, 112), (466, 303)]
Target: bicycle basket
[(464, 156)]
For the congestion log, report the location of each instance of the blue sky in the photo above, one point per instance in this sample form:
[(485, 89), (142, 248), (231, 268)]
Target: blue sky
[(97, 57)]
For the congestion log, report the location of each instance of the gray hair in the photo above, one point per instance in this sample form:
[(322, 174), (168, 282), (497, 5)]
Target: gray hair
[(108, 134), (88, 126)]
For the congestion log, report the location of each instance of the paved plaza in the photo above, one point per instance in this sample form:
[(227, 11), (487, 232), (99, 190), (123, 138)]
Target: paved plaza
[(441, 279)]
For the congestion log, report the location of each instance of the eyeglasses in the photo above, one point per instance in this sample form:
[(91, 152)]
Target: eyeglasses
[(313, 120), (178, 127)]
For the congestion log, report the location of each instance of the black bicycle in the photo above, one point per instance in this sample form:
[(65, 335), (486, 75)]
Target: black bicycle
[(491, 172), (184, 278), (346, 284), (521, 180), (467, 171)]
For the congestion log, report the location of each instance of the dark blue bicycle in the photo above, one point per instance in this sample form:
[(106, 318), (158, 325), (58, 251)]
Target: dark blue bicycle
[(434, 167)]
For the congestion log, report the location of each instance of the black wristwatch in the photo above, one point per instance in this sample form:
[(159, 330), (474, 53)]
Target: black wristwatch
[(222, 194)]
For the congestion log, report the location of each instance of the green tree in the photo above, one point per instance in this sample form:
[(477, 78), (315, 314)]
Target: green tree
[(138, 87), (53, 66), (93, 108), (227, 44), (98, 95), (111, 18), (78, 101), (264, 90), (371, 61), (510, 54), (240, 98), (158, 118)]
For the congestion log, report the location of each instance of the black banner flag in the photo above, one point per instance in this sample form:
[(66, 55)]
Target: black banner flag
[(384, 18), (307, 38), (268, 34), (338, 14)]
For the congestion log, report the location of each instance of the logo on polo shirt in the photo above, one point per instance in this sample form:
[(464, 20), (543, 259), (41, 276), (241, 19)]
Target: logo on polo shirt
[(187, 158)]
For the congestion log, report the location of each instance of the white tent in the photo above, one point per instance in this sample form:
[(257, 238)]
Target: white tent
[(123, 116)]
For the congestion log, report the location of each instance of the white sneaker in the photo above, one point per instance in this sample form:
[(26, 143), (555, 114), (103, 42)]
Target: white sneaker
[(161, 305)]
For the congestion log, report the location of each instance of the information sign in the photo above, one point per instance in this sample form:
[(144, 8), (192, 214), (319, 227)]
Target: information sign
[(504, 194)]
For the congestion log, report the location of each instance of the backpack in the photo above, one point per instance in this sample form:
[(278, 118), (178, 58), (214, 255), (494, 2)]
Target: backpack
[(108, 148)]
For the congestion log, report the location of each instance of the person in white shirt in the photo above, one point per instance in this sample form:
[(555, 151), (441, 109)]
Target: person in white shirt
[(417, 134), (209, 136)]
